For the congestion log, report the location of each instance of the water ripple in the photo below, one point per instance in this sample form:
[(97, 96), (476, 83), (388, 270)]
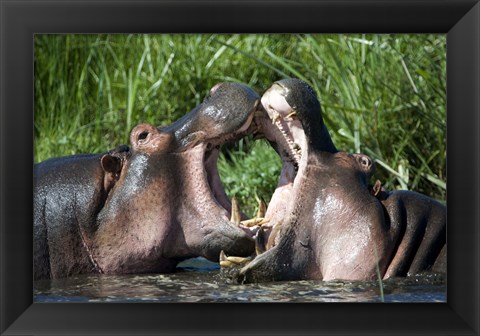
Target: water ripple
[(200, 281)]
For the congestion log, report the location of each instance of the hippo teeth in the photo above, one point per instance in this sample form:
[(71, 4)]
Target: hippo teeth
[(256, 221), (291, 115), (229, 261), (262, 208), (235, 217), (232, 263), (294, 149)]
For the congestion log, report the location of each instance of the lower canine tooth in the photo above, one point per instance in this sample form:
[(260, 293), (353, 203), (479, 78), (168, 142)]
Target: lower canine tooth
[(223, 256), (275, 117), (225, 263), (262, 208), (239, 260), (291, 115), (254, 221), (263, 221), (235, 217), (230, 261)]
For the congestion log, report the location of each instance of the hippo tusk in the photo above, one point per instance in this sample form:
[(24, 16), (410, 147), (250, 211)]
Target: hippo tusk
[(225, 263), (223, 256), (223, 260), (262, 208), (235, 217), (276, 117), (230, 261), (239, 260), (291, 115), (254, 222)]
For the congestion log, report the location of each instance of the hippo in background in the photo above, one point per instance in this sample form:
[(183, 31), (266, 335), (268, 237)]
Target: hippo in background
[(423, 246), (325, 221), (68, 191), (143, 208)]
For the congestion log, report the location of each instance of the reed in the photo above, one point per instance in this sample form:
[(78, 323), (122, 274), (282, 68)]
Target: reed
[(383, 95)]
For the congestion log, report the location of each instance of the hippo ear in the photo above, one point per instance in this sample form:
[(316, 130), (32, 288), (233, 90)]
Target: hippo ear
[(377, 188), (112, 166), (146, 138)]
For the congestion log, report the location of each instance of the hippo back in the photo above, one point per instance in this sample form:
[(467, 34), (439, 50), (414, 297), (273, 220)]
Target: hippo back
[(68, 193)]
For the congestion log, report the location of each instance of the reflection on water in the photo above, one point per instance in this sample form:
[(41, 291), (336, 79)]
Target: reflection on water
[(199, 280)]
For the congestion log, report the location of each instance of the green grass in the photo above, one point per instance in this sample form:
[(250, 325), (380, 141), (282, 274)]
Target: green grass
[(383, 95), (250, 173)]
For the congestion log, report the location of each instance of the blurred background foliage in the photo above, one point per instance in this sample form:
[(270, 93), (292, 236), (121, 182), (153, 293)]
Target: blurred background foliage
[(383, 95)]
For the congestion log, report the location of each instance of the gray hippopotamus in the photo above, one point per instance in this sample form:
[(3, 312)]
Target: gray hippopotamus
[(146, 207), (324, 220)]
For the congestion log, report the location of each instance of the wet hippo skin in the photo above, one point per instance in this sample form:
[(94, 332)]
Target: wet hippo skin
[(325, 220), (146, 207), (69, 191)]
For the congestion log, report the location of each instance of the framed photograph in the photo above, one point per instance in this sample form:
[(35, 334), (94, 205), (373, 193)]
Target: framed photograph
[(32, 33)]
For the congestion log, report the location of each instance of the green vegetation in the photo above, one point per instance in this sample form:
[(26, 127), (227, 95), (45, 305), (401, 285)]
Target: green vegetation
[(383, 95)]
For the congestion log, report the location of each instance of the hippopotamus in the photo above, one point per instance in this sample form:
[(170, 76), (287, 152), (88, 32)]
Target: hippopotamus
[(143, 208), (325, 221)]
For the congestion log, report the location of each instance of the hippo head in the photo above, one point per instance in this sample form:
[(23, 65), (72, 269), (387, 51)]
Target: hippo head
[(167, 203), (320, 193), (292, 122)]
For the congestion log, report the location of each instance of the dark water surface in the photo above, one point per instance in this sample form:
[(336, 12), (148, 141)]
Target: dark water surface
[(199, 280)]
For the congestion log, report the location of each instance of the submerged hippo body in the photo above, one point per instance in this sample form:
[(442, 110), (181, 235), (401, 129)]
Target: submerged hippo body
[(332, 225), (144, 208)]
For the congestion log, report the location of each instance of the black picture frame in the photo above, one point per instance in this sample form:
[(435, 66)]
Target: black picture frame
[(20, 20)]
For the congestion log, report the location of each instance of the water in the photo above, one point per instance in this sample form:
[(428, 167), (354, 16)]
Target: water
[(199, 280)]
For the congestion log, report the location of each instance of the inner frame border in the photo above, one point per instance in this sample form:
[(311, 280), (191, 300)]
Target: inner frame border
[(20, 20)]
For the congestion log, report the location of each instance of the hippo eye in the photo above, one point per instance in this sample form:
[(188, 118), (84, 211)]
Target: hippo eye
[(142, 136), (365, 162)]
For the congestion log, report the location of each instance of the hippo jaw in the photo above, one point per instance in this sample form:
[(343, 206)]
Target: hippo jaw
[(225, 116), (286, 249), (282, 127), (289, 117)]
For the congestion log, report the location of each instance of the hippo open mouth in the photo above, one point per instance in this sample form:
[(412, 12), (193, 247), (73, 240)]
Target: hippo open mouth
[(290, 118), (282, 127), (210, 146), (212, 176), (224, 116)]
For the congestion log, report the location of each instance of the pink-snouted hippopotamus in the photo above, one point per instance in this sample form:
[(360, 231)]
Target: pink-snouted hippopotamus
[(325, 221), (143, 208)]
